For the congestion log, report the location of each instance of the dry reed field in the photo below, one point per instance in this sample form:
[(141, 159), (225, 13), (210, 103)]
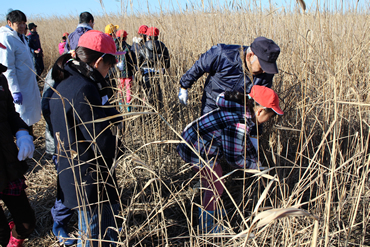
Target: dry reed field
[(316, 191)]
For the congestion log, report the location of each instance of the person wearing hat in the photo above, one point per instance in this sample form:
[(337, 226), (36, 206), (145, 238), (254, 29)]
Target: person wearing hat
[(111, 30), (36, 50), (20, 73), (62, 43), (224, 132), (138, 42), (86, 23), (86, 147), (12, 168), (125, 65), (153, 59), (231, 67)]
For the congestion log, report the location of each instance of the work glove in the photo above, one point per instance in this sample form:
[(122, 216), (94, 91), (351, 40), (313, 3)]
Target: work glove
[(25, 145), (120, 66), (183, 96), (18, 99)]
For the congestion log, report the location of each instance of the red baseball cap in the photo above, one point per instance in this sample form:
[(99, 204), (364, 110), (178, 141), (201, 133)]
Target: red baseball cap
[(142, 29), (152, 31), (121, 33), (65, 34), (2, 46), (266, 97), (100, 42)]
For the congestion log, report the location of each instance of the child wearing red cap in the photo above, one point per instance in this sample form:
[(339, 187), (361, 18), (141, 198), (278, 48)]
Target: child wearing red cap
[(62, 43), (125, 65), (81, 117), (222, 132)]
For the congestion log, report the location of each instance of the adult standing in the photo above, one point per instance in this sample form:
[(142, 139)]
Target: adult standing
[(86, 23), (232, 67), (36, 50), (21, 78)]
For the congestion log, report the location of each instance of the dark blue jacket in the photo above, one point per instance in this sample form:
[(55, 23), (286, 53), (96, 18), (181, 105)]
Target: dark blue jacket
[(72, 40), (82, 142), (34, 43), (225, 73)]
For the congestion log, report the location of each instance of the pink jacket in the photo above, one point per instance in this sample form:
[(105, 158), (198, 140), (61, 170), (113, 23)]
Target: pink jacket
[(61, 47)]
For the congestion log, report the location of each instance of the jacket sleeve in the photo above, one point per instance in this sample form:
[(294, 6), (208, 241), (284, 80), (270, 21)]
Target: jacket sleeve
[(46, 95), (15, 121), (7, 58), (263, 80), (236, 151), (207, 63), (166, 57), (87, 109)]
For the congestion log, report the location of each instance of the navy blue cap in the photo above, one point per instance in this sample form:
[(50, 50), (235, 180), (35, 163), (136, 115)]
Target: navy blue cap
[(31, 26), (267, 52)]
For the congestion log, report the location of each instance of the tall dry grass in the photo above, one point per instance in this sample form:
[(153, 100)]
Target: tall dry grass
[(318, 152)]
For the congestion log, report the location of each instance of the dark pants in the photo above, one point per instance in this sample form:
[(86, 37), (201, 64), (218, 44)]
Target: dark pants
[(153, 90), (39, 64), (23, 217), (60, 213)]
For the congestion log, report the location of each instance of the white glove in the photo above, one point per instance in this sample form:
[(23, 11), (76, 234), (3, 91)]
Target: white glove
[(25, 145), (136, 40), (183, 96), (120, 66)]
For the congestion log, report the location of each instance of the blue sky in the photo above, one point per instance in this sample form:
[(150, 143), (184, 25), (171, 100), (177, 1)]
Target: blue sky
[(45, 8)]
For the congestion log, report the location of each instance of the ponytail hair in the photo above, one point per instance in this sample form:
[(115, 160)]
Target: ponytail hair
[(83, 54), (241, 99)]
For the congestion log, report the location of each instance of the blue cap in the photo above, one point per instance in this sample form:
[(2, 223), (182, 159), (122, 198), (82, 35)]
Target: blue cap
[(267, 52)]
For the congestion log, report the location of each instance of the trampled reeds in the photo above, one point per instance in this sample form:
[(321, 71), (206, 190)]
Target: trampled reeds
[(318, 152)]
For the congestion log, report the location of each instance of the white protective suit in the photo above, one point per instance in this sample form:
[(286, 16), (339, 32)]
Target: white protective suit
[(21, 74)]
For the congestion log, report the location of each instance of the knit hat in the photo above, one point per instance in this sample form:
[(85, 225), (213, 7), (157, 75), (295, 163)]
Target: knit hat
[(121, 34), (152, 31), (267, 52), (99, 41), (142, 29), (266, 97)]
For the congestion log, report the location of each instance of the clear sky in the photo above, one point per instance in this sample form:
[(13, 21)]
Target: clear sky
[(45, 8)]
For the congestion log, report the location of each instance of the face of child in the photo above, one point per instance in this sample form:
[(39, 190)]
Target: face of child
[(102, 67), (262, 115)]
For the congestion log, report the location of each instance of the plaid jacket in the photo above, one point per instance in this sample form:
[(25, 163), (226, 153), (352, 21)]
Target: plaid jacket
[(218, 133)]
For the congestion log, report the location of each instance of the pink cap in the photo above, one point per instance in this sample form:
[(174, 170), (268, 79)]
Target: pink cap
[(65, 34), (99, 41), (266, 97), (2, 46)]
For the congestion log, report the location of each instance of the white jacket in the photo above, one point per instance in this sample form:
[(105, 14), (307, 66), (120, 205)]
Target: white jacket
[(21, 74)]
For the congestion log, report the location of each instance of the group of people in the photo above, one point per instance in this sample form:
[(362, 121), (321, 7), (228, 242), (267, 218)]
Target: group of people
[(75, 104)]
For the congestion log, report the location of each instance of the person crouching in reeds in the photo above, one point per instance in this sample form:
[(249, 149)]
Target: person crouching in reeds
[(225, 132)]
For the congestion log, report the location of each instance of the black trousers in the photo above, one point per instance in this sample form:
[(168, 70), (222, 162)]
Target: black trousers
[(23, 217)]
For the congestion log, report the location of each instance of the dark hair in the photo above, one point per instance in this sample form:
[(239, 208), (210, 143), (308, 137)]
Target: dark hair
[(83, 54), (153, 37), (239, 97), (16, 16), (143, 36), (86, 17)]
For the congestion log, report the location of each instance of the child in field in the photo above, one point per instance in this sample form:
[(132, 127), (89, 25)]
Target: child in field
[(62, 43), (12, 169), (125, 65), (225, 132), (86, 147)]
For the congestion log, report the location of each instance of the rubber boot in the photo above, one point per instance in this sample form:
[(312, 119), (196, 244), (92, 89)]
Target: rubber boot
[(207, 220), (62, 235), (14, 242)]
